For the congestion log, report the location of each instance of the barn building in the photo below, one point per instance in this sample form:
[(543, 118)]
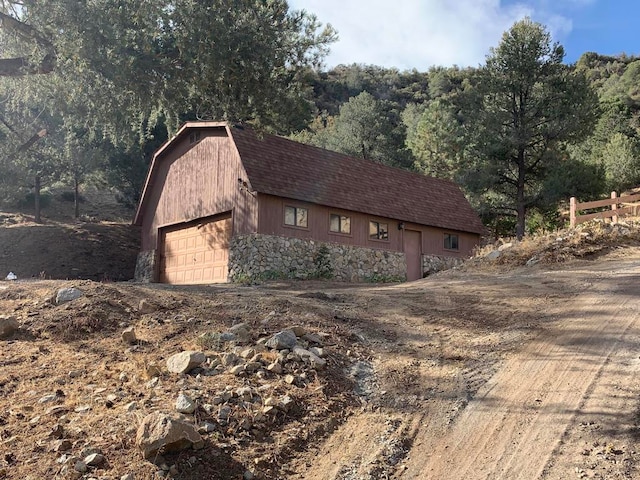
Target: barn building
[(225, 203)]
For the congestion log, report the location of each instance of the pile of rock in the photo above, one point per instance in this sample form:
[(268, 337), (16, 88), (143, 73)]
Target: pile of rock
[(273, 365)]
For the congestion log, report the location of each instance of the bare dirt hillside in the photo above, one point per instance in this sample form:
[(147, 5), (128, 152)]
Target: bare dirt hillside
[(484, 372), (100, 245)]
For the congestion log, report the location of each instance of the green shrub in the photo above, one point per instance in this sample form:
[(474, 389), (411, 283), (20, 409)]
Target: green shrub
[(69, 196), (29, 200)]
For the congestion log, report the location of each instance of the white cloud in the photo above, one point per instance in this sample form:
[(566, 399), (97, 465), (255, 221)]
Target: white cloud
[(421, 33)]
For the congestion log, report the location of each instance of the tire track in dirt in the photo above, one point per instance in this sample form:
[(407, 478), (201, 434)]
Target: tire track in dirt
[(513, 427)]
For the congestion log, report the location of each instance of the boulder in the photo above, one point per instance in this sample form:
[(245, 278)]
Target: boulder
[(185, 361), (161, 432), (284, 340), (94, 459), (145, 306), (129, 336), (185, 404), (8, 326), (493, 255), (65, 295), (240, 332)]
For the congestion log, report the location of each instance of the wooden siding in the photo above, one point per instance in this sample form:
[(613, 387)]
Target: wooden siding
[(271, 222), (198, 180)]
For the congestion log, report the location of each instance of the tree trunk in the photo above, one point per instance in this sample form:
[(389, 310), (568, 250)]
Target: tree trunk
[(36, 199), (76, 197), (520, 201)]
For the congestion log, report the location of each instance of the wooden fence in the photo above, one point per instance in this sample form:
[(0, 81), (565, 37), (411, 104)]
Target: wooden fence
[(619, 206)]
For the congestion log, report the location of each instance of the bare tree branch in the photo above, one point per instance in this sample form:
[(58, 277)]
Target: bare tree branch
[(16, 67)]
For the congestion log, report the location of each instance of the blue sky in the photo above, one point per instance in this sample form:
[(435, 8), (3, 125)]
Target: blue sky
[(421, 33)]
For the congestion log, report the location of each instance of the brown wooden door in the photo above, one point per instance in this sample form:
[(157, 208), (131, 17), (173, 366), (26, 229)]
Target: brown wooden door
[(412, 243), (196, 253)]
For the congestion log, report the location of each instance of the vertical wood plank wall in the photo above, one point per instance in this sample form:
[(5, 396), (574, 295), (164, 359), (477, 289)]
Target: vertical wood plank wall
[(198, 180), (271, 222)]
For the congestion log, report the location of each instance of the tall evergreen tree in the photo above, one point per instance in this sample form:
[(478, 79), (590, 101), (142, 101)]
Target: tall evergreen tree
[(532, 104)]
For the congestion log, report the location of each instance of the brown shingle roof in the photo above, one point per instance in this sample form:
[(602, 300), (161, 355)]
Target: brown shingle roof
[(282, 167)]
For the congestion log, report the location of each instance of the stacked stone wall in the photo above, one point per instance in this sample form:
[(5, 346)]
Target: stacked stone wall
[(263, 257), (146, 266), (433, 263)]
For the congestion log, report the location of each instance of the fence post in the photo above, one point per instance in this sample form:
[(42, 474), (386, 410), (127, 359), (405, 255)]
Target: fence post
[(614, 206), (572, 212)]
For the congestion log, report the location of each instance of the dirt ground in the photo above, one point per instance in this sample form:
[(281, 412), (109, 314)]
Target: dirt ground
[(101, 245), (496, 370)]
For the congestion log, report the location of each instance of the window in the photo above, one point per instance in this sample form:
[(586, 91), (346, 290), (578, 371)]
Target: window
[(340, 224), (450, 241), (296, 216), (378, 231)]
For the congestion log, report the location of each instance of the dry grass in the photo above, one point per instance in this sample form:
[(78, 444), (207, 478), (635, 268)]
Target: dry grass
[(584, 241)]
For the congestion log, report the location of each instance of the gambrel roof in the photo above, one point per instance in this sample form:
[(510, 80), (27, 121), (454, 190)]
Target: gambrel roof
[(285, 168)]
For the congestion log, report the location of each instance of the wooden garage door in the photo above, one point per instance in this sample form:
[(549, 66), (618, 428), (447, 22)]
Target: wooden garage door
[(196, 253)]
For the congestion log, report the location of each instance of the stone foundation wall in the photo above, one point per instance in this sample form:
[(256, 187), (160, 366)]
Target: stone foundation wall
[(264, 257), (433, 263), (146, 267)]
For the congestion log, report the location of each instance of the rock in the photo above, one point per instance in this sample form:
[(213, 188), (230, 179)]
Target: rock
[(299, 330), (251, 367), (128, 476), (318, 351), (247, 353), (65, 295), (223, 414), (80, 466), (285, 403), (51, 397), (94, 460), (505, 246), (207, 427), (493, 255), (129, 336), (245, 393), (185, 404), (237, 370), (275, 367), (290, 379), (313, 338), (286, 339), (532, 261), (241, 332), (248, 475), (57, 431), (145, 306), (60, 446), (8, 326), (314, 359), (230, 359), (159, 431), (183, 362), (131, 406)]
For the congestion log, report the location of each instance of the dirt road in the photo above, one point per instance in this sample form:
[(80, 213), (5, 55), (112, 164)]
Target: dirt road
[(562, 404)]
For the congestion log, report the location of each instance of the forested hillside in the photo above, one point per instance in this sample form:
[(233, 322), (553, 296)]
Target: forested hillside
[(88, 91)]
